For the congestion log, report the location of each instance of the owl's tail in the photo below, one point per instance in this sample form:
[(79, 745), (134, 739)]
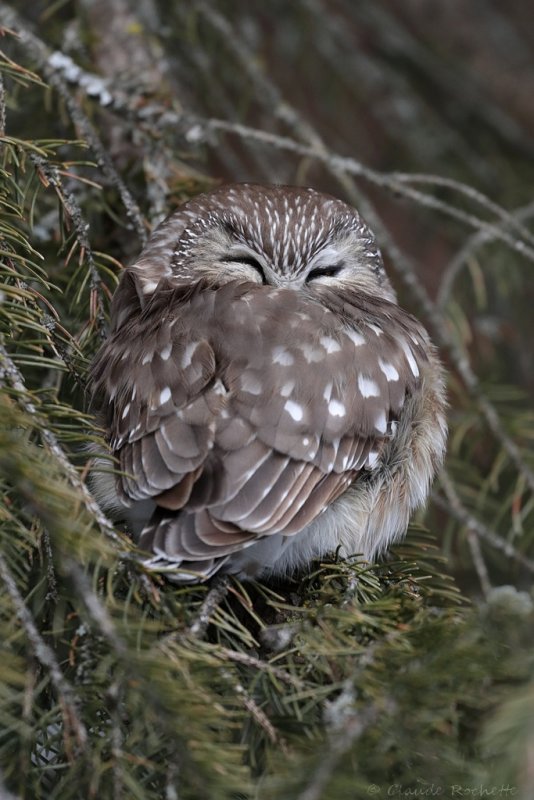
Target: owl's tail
[(191, 545)]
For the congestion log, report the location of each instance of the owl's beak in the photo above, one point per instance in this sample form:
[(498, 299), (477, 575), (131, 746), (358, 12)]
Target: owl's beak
[(283, 281)]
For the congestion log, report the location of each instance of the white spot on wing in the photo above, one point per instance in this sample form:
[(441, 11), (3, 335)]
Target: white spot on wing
[(410, 359), (188, 354), (389, 370), (165, 395), (356, 338), (283, 357), (372, 459), (250, 383), (294, 410), (287, 388), (166, 352), (329, 344), (327, 394), (126, 409), (375, 328), (336, 408), (368, 387), (147, 358), (381, 423)]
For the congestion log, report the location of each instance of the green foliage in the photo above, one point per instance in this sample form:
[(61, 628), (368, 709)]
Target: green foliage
[(354, 680)]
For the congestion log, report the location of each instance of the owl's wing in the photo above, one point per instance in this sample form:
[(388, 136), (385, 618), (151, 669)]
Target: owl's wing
[(245, 411)]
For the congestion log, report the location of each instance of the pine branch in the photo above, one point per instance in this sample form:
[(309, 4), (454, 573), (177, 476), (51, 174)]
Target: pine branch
[(46, 657), (37, 49), (10, 374)]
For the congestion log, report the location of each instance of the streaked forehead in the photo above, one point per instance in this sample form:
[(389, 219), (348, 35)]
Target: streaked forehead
[(286, 224)]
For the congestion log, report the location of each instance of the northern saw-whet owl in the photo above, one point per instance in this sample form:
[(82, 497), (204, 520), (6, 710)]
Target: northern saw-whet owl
[(266, 399)]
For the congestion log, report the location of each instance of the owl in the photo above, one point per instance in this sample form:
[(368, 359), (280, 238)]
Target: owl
[(265, 398)]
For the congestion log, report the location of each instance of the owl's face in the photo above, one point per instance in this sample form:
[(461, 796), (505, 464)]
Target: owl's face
[(282, 237)]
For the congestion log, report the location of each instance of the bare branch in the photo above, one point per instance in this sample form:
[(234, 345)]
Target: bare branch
[(453, 505), (468, 249)]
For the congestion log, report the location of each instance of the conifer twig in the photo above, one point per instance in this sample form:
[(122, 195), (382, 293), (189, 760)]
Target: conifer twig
[(353, 727), (42, 53), (216, 594), (10, 372), (72, 208), (506, 218), (46, 657), (95, 608), (2, 106), (344, 165), (454, 506), (256, 663), (257, 714), (478, 560), (50, 571), (473, 243)]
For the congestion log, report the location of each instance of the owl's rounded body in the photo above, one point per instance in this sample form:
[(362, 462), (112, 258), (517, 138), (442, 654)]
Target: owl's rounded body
[(267, 400)]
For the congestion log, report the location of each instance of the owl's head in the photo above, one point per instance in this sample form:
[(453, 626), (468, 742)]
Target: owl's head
[(280, 236)]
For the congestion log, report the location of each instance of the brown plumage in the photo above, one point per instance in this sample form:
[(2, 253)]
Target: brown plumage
[(260, 373)]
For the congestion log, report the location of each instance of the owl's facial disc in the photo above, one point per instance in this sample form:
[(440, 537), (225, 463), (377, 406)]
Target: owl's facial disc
[(329, 265), (247, 265), (292, 256), (240, 261)]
